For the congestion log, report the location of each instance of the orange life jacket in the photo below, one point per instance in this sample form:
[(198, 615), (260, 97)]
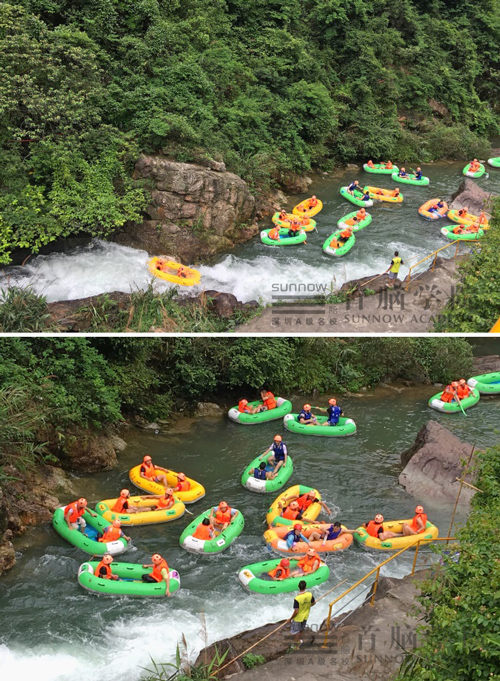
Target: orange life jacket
[(414, 525), (149, 470), (182, 272), (462, 213), (370, 164), (483, 219), (307, 563), (346, 234), (106, 567), (463, 391), (388, 165), (313, 202), (361, 214), (457, 229), (119, 504), (183, 486), (474, 228), (111, 534), (279, 572), (447, 395), (202, 532), (274, 233), (270, 402), (372, 528), (75, 512), (156, 573), (165, 502), (305, 501), (242, 407), (395, 192), (223, 518), (290, 514)]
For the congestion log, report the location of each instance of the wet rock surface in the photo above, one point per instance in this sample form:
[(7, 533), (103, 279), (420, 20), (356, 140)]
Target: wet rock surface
[(470, 195), (487, 364)]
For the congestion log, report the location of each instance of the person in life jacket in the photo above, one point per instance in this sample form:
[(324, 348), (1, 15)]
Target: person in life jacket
[(370, 164), (345, 235), (103, 569), (268, 400), (123, 505), (160, 572), (393, 268), (418, 523), (302, 604), (295, 228), (334, 412), (436, 208), (361, 214), (204, 530), (162, 502), (279, 455), (463, 212), (281, 572), (283, 216), (402, 172), (308, 564), (306, 417), (295, 536), (274, 233), (463, 389), (330, 534), (458, 229), (418, 174), (149, 471), (375, 529), (395, 192), (113, 532), (306, 500), (183, 485), (389, 166), (245, 408), (221, 516), (160, 265), (260, 472), (291, 512), (483, 220), (472, 229), (182, 272), (448, 394), (313, 202), (353, 186), (474, 166), (73, 514)]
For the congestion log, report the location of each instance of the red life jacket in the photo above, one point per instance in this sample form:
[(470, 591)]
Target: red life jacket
[(305, 501), (106, 567), (156, 573)]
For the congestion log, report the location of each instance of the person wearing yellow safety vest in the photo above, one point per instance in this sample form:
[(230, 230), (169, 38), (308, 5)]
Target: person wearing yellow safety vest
[(393, 268), (302, 605)]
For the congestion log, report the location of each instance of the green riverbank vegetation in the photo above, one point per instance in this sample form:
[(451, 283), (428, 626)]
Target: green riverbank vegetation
[(273, 87), (461, 602)]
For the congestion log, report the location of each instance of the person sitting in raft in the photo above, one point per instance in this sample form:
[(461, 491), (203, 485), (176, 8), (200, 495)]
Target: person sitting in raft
[(221, 516), (361, 214), (472, 229), (204, 530), (103, 569), (463, 389), (462, 212), (459, 229), (148, 471), (306, 417), (389, 166), (375, 529), (163, 501), (113, 533), (73, 514), (182, 272), (122, 504), (283, 215), (402, 172), (281, 572), (370, 164), (483, 220), (307, 565), (161, 265), (183, 485), (448, 394), (294, 537), (344, 235), (334, 412), (306, 500), (274, 233), (291, 512), (295, 228), (279, 454), (260, 473), (436, 207), (159, 573), (418, 523), (395, 192), (333, 532), (245, 408), (474, 166), (268, 399), (366, 195), (418, 174), (313, 202), (354, 185)]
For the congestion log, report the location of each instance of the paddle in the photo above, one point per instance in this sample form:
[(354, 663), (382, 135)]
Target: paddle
[(460, 405)]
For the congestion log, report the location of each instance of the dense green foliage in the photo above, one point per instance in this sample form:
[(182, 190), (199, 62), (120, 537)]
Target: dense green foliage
[(272, 86), (476, 306), (462, 600)]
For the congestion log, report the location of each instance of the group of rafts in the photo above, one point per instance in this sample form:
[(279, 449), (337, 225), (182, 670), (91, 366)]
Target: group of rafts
[(291, 228), (103, 537)]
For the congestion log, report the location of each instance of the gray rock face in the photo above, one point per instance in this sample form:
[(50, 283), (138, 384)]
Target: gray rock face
[(195, 211), (470, 195), (432, 465), (486, 365), (208, 410)]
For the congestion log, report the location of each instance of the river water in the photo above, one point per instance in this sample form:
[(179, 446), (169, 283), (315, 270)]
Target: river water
[(52, 630), (254, 271)]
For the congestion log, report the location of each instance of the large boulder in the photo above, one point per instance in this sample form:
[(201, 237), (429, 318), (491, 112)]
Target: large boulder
[(470, 195), (88, 452), (433, 463), (194, 211), (487, 364)]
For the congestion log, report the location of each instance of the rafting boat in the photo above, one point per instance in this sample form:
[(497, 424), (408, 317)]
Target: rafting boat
[(494, 162), (308, 224), (88, 541), (448, 232), (348, 221), (379, 194), (336, 248), (411, 179), (274, 516), (355, 198), (162, 515), (220, 542), (479, 172), (194, 493), (454, 407), (283, 407), (255, 578), (344, 427), (130, 582), (167, 269), (486, 384), (366, 540), (380, 169), (275, 540), (423, 211), (466, 219), (302, 209), (265, 486), (284, 239)]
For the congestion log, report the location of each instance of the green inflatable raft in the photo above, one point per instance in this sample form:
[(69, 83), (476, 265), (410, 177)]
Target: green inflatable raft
[(284, 239), (380, 169), (345, 427), (453, 407), (495, 162), (209, 546), (264, 486), (447, 231), (355, 198), (342, 250), (478, 173), (88, 542), (255, 578), (284, 407), (357, 226), (486, 384), (130, 582), (410, 179)]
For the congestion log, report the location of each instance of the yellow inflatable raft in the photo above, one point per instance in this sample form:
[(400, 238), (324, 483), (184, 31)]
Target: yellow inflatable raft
[(362, 537), (195, 491), (173, 271), (308, 225), (163, 515), (274, 516), (302, 209), (379, 194), (275, 540)]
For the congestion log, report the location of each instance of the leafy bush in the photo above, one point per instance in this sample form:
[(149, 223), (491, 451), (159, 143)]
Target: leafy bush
[(23, 311), (250, 660)]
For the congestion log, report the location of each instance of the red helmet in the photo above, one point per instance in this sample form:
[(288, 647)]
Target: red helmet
[(297, 527), (285, 562)]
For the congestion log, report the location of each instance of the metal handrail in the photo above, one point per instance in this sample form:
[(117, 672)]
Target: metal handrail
[(376, 570), (434, 255)]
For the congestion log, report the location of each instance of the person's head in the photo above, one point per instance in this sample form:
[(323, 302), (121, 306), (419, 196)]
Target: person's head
[(403, 169), (147, 459), (311, 553), (475, 160), (264, 392), (466, 209), (117, 523), (107, 559), (297, 527), (332, 401), (418, 169), (243, 401), (284, 562), (307, 407), (278, 439), (181, 476), (223, 506), (311, 494), (205, 521), (462, 381), (125, 493), (156, 558), (396, 253), (82, 502), (454, 384), (294, 506), (262, 465), (313, 197), (169, 492), (337, 525), (397, 190), (370, 161), (419, 509), (302, 585), (379, 518)]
